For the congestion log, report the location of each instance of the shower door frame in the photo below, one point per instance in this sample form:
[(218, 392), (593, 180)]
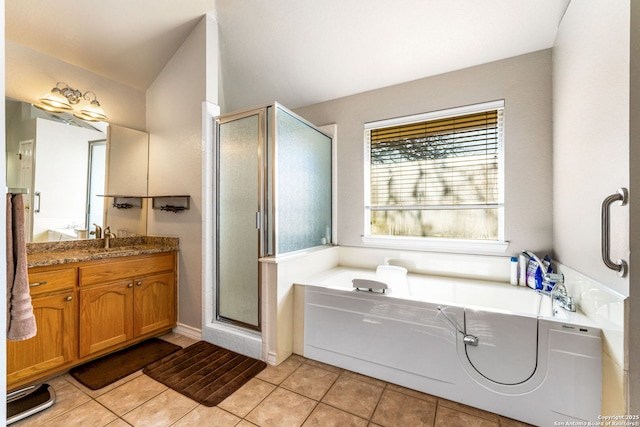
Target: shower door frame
[(261, 208)]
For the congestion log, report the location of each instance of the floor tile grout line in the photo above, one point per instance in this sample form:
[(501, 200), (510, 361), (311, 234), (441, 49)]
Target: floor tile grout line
[(47, 419), (297, 364), (108, 409), (310, 412), (378, 402), (344, 410), (257, 404), (142, 403)]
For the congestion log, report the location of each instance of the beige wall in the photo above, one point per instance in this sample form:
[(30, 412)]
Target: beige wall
[(174, 123), (170, 112), (31, 74), (524, 82)]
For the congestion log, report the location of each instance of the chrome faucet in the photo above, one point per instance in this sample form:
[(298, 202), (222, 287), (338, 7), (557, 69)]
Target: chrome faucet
[(553, 286), (97, 232), (108, 235), (559, 297)]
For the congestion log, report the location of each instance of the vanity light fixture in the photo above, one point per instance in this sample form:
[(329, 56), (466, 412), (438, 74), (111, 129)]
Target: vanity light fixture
[(62, 98)]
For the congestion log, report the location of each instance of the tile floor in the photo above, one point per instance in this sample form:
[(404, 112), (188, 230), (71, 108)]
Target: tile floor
[(298, 392)]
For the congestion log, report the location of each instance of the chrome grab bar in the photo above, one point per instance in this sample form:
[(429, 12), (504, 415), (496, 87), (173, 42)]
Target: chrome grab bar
[(621, 266)]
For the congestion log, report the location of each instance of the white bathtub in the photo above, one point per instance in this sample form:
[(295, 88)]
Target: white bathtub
[(527, 365)]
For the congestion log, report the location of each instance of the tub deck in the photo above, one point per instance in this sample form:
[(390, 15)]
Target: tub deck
[(470, 293)]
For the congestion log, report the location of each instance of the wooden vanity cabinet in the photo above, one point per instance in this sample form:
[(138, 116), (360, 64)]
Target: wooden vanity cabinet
[(86, 309), (125, 299), (55, 307), (106, 316), (154, 303)]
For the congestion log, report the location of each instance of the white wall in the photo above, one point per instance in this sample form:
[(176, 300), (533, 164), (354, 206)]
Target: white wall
[(3, 233), (596, 134), (31, 74), (591, 134), (174, 104), (524, 82), (634, 213)]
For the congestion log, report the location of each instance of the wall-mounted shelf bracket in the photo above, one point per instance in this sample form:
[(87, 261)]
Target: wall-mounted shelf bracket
[(125, 202), (171, 203)]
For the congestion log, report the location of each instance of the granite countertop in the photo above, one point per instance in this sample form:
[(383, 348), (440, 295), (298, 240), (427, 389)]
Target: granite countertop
[(51, 253)]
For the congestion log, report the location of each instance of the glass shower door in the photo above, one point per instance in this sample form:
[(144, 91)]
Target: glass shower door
[(240, 144)]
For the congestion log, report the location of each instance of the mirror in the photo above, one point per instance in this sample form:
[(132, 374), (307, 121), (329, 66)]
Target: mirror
[(67, 166), (127, 175)]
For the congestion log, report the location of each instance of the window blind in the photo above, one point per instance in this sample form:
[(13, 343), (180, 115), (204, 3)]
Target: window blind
[(448, 162)]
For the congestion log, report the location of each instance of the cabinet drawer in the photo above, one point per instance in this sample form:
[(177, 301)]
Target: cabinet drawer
[(41, 282), (125, 268)]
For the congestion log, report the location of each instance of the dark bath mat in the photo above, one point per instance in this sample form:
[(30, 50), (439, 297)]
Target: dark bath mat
[(112, 367), (205, 372)]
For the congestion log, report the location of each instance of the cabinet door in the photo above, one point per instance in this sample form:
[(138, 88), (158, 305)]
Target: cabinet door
[(106, 316), (155, 303), (55, 342)]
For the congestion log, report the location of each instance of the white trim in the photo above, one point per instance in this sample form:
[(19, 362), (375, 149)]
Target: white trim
[(331, 130), (209, 112), (457, 111), (271, 358), (434, 244), (433, 207), (437, 245), (188, 331)]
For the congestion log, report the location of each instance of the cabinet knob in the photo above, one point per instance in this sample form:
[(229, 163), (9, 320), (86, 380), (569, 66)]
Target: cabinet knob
[(69, 298), (139, 283), (130, 285)]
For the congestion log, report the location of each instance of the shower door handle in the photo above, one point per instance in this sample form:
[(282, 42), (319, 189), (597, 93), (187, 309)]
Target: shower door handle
[(261, 234), (623, 196)]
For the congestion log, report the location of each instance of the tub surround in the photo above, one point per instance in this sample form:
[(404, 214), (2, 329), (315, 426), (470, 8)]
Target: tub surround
[(65, 252), (606, 309)]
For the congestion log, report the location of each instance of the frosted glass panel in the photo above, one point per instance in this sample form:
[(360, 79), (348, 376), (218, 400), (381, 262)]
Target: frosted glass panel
[(303, 185), (238, 238)]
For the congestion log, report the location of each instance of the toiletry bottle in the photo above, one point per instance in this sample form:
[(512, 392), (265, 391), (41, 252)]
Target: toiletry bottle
[(522, 277), (514, 271)]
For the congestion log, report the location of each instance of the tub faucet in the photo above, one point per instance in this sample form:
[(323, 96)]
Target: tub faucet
[(559, 297), (550, 280), (108, 235)]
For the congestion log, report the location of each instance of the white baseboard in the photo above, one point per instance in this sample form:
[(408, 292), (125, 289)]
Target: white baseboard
[(271, 358), (188, 331)]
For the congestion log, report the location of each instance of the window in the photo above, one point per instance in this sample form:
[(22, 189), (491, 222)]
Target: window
[(436, 175)]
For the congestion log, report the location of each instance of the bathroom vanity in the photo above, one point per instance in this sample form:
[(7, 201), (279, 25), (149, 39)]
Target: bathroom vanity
[(89, 301)]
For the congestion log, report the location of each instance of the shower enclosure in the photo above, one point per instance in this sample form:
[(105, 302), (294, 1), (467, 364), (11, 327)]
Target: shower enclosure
[(273, 197)]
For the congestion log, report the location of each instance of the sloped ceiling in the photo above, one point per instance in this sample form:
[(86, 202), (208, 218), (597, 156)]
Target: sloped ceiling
[(298, 52)]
